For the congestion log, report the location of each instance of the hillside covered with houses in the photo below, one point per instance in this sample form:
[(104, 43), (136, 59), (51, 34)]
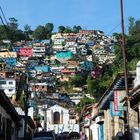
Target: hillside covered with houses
[(65, 81)]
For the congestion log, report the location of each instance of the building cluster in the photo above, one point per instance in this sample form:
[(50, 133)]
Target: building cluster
[(116, 115), (28, 74)]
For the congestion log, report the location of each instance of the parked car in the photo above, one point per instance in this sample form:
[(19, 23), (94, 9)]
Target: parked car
[(49, 135)]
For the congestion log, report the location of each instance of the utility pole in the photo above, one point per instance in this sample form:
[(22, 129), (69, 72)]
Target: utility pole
[(45, 116), (125, 68), (26, 106)]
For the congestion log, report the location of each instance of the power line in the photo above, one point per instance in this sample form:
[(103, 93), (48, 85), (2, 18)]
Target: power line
[(3, 15), (114, 28), (3, 23)]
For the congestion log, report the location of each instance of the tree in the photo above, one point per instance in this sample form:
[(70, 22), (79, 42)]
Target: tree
[(61, 29), (77, 81), (68, 30), (131, 27), (13, 23), (3, 34), (27, 31), (92, 85), (48, 29), (39, 32), (76, 29), (19, 35), (132, 64), (83, 102)]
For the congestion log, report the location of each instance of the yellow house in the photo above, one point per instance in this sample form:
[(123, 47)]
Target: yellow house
[(8, 54)]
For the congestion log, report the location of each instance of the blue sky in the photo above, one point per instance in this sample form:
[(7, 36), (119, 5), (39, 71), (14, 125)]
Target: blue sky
[(89, 14)]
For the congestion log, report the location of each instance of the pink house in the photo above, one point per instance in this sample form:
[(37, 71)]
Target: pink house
[(25, 52)]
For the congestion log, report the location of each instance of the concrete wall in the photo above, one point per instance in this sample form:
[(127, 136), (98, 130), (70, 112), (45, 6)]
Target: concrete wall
[(5, 115), (94, 131), (9, 86)]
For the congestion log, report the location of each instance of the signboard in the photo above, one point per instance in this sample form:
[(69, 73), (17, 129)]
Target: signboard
[(118, 96), (112, 110)]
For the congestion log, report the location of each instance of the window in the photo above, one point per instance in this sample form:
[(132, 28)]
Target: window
[(2, 82), (10, 83), (56, 117), (10, 90)]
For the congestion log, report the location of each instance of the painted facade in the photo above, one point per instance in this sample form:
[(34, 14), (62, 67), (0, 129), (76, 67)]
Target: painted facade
[(9, 86), (8, 55), (25, 52), (64, 55), (39, 51), (58, 119)]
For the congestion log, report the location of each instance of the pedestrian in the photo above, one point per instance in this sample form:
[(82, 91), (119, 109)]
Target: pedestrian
[(82, 136), (86, 138)]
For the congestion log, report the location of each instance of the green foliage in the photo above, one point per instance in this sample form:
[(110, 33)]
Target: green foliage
[(3, 34), (13, 23), (76, 29), (77, 81), (131, 26), (96, 87), (61, 29), (48, 29), (92, 85), (105, 81), (132, 46), (27, 31), (68, 30), (39, 32), (83, 102), (43, 32), (132, 64), (11, 31), (21, 100)]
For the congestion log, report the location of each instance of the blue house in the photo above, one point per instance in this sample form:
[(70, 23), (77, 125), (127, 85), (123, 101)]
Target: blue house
[(87, 65), (46, 41), (90, 44), (17, 49), (10, 62), (43, 68), (64, 54)]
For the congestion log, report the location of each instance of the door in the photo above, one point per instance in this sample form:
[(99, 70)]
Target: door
[(101, 132)]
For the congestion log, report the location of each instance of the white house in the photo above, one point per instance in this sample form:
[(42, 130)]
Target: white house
[(58, 119), (9, 86), (71, 43), (39, 51), (57, 47), (58, 41), (76, 97), (73, 50)]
